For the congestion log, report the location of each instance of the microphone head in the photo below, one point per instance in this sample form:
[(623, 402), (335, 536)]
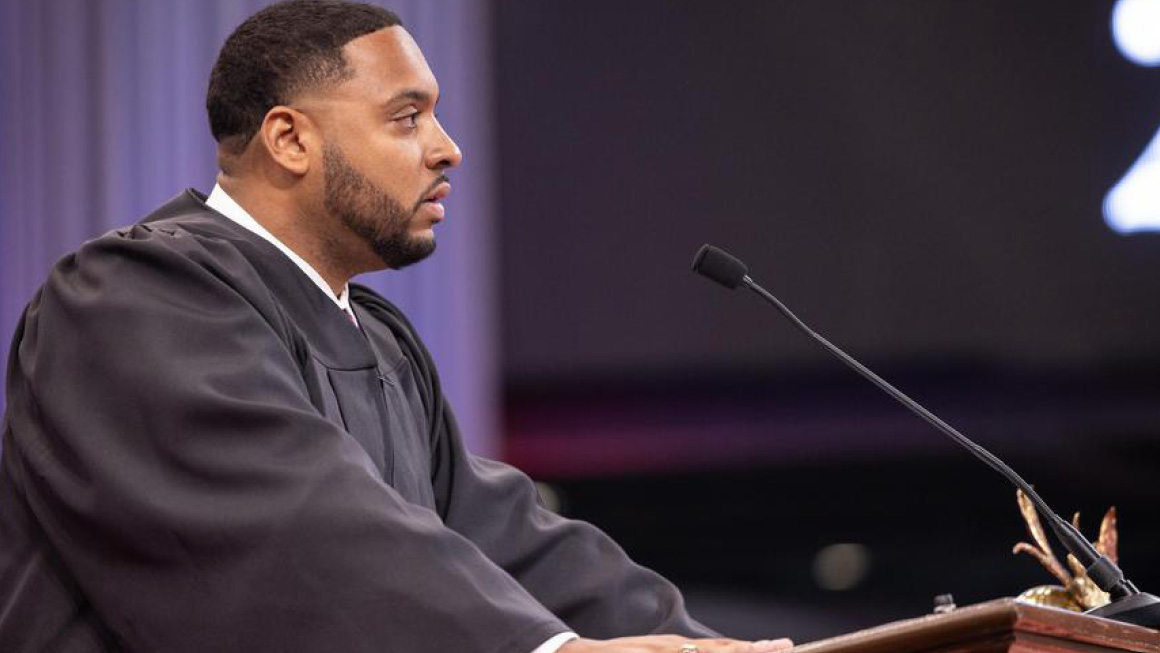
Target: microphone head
[(719, 266)]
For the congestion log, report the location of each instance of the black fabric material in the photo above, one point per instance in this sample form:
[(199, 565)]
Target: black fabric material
[(202, 453)]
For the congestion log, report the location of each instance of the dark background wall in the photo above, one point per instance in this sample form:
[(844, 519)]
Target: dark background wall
[(916, 177), (922, 181)]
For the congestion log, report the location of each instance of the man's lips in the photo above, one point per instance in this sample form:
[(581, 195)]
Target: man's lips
[(441, 191), (432, 201)]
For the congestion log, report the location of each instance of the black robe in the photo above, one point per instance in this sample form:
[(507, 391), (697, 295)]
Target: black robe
[(202, 453)]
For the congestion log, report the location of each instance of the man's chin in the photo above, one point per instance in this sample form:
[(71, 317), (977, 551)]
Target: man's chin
[(398, 254)]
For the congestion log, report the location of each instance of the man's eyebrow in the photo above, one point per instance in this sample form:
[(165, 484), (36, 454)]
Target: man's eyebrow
[(415, 95)]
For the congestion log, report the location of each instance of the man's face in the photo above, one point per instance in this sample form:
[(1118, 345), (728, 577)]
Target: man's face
[(385, 153), (385, 224)]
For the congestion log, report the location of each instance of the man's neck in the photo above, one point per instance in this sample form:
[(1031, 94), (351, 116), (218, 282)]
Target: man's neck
[(288, 224)]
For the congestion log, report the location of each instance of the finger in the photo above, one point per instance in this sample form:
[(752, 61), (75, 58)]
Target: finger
[(722, 646), (771, 645)]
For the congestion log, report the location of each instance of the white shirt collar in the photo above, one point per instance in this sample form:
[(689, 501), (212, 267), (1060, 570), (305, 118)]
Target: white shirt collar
[(221, 202)]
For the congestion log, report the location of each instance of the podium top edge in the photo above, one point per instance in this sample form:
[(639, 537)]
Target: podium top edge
[(986, 625)]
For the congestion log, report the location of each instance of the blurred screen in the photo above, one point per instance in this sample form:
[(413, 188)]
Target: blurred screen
[(919, 180)]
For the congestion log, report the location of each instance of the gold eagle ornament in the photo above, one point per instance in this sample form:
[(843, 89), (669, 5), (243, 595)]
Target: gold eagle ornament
[(1077, 592)]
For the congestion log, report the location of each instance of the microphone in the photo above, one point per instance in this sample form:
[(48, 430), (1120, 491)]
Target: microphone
[(719, 266), (1128, 604)]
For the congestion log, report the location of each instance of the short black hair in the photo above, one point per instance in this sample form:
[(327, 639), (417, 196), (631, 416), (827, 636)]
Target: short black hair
[(278, 52)]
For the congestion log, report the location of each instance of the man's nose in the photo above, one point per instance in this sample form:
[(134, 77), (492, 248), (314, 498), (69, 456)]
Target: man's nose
[(445, 153)]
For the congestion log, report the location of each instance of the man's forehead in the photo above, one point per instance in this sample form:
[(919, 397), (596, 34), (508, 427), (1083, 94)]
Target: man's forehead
[(386, 62)]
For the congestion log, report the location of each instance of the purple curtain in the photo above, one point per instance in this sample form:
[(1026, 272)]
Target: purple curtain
[(102, 118)]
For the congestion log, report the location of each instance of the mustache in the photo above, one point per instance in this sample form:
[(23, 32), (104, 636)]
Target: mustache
[(430, 189)]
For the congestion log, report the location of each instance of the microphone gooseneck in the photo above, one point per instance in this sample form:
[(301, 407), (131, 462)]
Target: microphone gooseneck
[(1128, 603)]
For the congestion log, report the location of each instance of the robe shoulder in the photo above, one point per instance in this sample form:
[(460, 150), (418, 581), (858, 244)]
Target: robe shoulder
[(130, 266)]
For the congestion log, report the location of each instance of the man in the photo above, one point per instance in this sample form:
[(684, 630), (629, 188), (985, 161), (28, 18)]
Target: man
[(215, 443)]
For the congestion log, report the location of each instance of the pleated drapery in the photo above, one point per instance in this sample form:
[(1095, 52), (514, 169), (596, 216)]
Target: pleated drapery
[(102, 118)]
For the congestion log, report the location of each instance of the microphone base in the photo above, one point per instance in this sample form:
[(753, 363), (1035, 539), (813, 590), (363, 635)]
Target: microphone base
[(1141, 609)]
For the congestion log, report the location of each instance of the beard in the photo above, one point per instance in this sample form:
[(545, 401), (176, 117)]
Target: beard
[(379, 219)]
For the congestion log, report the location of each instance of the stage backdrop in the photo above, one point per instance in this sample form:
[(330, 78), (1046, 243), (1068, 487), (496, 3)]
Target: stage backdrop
[(921, 181), (102, 118)]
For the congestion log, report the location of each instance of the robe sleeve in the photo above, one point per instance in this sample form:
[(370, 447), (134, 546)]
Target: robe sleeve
[(171, 454), (573, 568)]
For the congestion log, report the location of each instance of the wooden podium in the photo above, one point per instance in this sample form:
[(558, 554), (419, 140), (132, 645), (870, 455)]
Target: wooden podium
[(993, 627)]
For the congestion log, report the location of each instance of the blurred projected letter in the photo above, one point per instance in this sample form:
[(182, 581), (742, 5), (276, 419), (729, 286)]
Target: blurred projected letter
[(1133, 204)]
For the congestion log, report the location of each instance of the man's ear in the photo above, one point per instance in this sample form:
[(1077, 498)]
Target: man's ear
[(288, 136)]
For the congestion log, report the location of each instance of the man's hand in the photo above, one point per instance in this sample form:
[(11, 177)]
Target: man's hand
[(673, 644)]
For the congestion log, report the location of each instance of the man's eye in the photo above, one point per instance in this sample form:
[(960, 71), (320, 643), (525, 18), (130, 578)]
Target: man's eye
[(411, 120)]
